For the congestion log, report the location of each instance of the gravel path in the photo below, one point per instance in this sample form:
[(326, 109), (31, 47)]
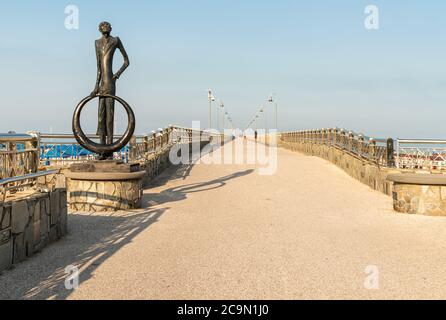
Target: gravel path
[(225, 232)]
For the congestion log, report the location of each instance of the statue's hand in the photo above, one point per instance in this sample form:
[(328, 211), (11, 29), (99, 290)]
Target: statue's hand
[(116, 76), (95, 92)]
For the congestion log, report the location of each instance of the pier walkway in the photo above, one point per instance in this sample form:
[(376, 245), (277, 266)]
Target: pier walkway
[(226, 232)]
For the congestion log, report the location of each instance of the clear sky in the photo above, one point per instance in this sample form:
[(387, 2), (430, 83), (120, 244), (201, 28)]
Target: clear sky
[(325, 67)]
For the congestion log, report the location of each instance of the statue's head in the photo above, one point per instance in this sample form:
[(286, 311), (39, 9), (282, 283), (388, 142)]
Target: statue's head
[(105, 28)]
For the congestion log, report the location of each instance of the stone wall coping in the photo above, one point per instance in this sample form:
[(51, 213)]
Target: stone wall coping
[(105, 176), (421, 179)]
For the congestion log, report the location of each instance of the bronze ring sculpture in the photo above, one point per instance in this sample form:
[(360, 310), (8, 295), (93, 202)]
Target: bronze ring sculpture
[(104, 150)]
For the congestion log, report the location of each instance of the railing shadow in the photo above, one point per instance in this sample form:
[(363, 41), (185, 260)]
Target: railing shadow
[(181, 171), (91, 240), (180, 193)]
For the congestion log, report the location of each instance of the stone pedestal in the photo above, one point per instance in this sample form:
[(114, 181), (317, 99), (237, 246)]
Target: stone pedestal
[(423, 194), (104, 186)]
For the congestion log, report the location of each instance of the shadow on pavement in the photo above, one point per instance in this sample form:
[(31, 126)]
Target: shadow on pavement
[(180, 193), (91, 240)]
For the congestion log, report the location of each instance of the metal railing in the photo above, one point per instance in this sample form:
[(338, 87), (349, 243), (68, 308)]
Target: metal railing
[(421, 154), (63, 149), (22, 154), (20, 182), (379, 151), (19, 154), (144, 146)]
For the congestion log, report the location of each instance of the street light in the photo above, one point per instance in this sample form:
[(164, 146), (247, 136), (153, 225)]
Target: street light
[(263, 110), (271, 99), (221, 111), (211, 98)]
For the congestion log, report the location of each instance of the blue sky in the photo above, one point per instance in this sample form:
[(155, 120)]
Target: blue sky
[(325, 67)]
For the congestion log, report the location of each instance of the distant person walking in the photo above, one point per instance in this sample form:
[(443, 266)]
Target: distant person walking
[(255, 135)]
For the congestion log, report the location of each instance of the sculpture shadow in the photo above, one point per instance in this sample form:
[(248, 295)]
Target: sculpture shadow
[(180, 192), (90, 241)]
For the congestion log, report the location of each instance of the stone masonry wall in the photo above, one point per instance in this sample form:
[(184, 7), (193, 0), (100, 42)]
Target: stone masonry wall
[(427, 200), (97, 196), (29, 222), (155, 164), (361, 169)]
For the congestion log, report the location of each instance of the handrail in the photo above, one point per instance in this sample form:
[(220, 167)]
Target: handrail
[(4, 188), (71, 136), (421, 154), (16, 137), (62, 148), (28, 176), (421, 141), (358, 144)]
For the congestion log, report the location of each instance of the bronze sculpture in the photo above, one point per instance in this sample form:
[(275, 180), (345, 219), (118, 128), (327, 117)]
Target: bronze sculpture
[(106, 80), (105, 90)]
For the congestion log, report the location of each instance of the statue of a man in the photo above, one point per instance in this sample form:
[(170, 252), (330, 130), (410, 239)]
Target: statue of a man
[(106, 80)]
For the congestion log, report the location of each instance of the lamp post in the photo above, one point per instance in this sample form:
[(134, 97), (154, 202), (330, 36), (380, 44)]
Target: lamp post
[(263, 110), (272, 99), (211, 98), (222, 111)]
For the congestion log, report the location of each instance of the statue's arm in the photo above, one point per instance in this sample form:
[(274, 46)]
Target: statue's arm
[(126, 60), (99, 75)]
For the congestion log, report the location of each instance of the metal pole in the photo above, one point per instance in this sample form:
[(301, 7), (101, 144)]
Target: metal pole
[(266, 120), (276, 117), (218, 117), (210, 113), (390, 159)]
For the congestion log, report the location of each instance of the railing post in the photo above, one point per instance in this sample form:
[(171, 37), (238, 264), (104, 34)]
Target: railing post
[(160, 137), (132, 149), (169, 134), (350, 141), (360, 144), (335, 136), (164, 136), (341, 139), (34, 144), (389, 153), (372, 148), (189, 134), (145, 141), (154, 140)]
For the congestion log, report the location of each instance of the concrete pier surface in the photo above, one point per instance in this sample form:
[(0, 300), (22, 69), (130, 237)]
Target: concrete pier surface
[(309, 231)]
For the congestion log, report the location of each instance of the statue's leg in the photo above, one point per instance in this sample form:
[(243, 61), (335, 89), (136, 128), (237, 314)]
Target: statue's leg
[(101, 121), (110, 120)]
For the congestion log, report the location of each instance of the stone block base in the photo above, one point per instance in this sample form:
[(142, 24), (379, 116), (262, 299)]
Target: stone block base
[(96, 196), (28, 223), (423, 194), (117, 187)]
